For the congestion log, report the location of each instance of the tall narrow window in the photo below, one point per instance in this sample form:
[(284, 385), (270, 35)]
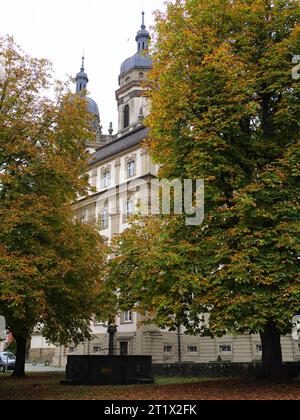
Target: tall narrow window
[(126, 116), (130, 208), (104, 219), (131, 169), (128, 318), (106, 179)]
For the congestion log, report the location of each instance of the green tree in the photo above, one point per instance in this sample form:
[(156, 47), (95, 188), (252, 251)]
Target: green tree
[(152, 272), (50, 263), (225, 108)]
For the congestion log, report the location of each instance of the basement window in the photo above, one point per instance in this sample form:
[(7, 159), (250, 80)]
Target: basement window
[(225, 349), (192, 349)]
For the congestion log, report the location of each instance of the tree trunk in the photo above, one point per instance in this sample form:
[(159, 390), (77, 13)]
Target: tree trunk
[(272, 364), (19, 371)]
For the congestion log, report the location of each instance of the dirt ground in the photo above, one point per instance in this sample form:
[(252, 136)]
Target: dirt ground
[(47, 387)]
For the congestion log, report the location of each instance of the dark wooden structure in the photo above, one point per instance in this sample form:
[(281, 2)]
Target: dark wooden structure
[(109, 370)]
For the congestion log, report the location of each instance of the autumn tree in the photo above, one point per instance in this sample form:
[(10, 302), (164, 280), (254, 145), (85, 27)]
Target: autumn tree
[(225, 108), (50, 263), (152, 272)]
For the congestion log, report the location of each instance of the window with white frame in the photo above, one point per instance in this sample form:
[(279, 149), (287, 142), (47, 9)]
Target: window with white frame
[(131, 168), (128, 317), (97, 349), (130, 207), (72, 349), (93, 178), (259, 348), (225, 349), (168, 349), (104, 219), (192, 349), (106, 179)]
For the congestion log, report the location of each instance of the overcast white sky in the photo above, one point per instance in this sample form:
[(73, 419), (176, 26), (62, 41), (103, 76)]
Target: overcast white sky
[(59, 30)]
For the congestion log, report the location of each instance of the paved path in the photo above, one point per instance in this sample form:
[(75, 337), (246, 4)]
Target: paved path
[(42, 369)]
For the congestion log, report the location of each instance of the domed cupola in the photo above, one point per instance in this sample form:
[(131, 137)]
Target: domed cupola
[(81, 89), (81, 86), (133, 104), (93, 107), (140, 59)]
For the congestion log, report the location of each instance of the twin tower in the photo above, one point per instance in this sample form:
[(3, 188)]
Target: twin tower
[(132, 105)]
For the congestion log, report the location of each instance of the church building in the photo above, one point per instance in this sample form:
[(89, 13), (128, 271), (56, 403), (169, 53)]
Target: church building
[(118, 166)]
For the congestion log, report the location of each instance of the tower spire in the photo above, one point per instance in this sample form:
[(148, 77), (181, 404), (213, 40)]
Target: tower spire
[(143, 20), (81, 77), (143, 36), (82, 64)]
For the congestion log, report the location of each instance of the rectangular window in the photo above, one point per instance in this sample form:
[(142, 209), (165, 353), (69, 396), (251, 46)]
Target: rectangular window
[(106, 177), (83, 217), (72, 349), (225, 348), (168, 349), (97, 349), (93, 178), (104, 219), (130, 208), (128, 318), (259, 348), (192, 349), (131, 169)]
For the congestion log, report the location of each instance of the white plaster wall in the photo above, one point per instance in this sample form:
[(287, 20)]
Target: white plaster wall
[(127, 327), (39, 342)]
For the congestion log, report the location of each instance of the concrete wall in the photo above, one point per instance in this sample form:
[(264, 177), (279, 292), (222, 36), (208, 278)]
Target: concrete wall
[(215, 370)]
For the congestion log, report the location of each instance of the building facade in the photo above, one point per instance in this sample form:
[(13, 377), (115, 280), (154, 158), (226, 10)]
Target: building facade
[(121, 172)]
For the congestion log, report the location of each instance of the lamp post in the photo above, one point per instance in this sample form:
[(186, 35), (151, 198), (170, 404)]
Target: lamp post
[(179, 343), (112, 329)]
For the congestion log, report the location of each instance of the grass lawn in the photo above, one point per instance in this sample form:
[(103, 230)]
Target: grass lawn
[(47, 387)]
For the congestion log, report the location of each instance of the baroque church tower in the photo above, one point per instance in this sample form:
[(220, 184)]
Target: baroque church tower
[(132, 104)]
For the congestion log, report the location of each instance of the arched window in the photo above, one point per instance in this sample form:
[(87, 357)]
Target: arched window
[(126, 116)]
